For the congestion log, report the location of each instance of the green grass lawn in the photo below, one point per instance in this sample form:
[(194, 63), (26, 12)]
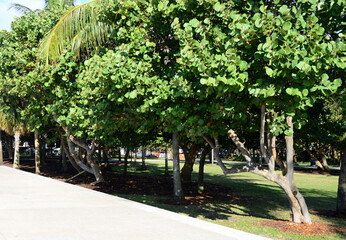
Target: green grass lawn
[(259, 200)]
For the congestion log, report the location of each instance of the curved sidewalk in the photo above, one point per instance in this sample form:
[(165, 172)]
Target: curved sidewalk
[(33, 207)]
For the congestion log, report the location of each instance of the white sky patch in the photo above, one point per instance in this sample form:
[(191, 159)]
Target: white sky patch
[(7, 15)]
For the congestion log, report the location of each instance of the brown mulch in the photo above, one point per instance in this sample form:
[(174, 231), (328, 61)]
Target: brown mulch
[(303, 229)]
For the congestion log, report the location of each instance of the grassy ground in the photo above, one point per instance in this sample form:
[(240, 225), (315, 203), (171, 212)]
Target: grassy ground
[(259, 200)]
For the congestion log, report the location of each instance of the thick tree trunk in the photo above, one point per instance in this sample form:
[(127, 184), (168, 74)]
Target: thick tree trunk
[(190, 157), (299, 210), (16, 163), (93, 164), (341, 199), (1, 155), (178, 191), (37, 153)]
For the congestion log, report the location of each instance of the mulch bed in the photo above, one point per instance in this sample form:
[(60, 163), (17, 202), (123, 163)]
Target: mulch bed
[(303, 229)]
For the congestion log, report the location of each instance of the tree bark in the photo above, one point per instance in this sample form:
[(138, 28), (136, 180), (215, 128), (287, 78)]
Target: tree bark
[(1, 154), (43, 148), (144, 153), (178, 191), (166, 162), (299, 210), (322, 165), (66, 149), (37, 153), (190, 157), (201, 168), (341, 199), (126, 160), (16, 163)]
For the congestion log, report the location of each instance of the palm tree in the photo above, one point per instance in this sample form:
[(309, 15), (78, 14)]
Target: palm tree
[(79, 28), (10, 124)]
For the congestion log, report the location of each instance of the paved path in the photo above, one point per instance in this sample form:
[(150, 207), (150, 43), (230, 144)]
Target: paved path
[(38, 208)]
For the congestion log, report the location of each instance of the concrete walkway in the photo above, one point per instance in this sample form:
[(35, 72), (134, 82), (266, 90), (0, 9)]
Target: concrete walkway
[(38, 208)]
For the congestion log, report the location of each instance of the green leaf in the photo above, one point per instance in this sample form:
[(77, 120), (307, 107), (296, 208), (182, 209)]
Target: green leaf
[(289, 132), (194, 23), (325, 77), (284, 10), (218, 7), (269, 71), (258, 23), (287, 26)]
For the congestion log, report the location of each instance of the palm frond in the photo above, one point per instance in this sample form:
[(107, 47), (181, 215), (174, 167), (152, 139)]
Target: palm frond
[(81, 18), (20, 8), (94, 34)]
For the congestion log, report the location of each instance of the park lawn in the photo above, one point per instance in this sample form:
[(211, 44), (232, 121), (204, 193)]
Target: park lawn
[(259, 200)]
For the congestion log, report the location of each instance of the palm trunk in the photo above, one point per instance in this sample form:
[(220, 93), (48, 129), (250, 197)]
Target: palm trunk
[(37, 153), (16, 163), (178, 191)]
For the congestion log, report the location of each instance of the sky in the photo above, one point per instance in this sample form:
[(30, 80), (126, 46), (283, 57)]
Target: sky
[(7, 15)]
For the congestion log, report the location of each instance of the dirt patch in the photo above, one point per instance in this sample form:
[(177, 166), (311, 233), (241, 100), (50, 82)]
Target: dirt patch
[(303, 229)]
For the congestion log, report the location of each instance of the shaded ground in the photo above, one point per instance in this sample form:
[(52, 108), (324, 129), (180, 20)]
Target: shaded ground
[(163, 186)]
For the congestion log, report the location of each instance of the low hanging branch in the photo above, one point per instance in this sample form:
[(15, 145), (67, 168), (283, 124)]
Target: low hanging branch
[(298, 207), (94, 168)]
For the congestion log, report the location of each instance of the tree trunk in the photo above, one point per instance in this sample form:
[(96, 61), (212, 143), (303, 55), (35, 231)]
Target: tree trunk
[(190, 156), (144, 153), (178, 191), (126, 160), (321, 165), (341, 199), (37, 153), (324, 160), (43, 149), (16, 163), (93, 164), (201, 168), (66, 150), (63, 160), (1, 155), (166, 162), (299, 210)]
